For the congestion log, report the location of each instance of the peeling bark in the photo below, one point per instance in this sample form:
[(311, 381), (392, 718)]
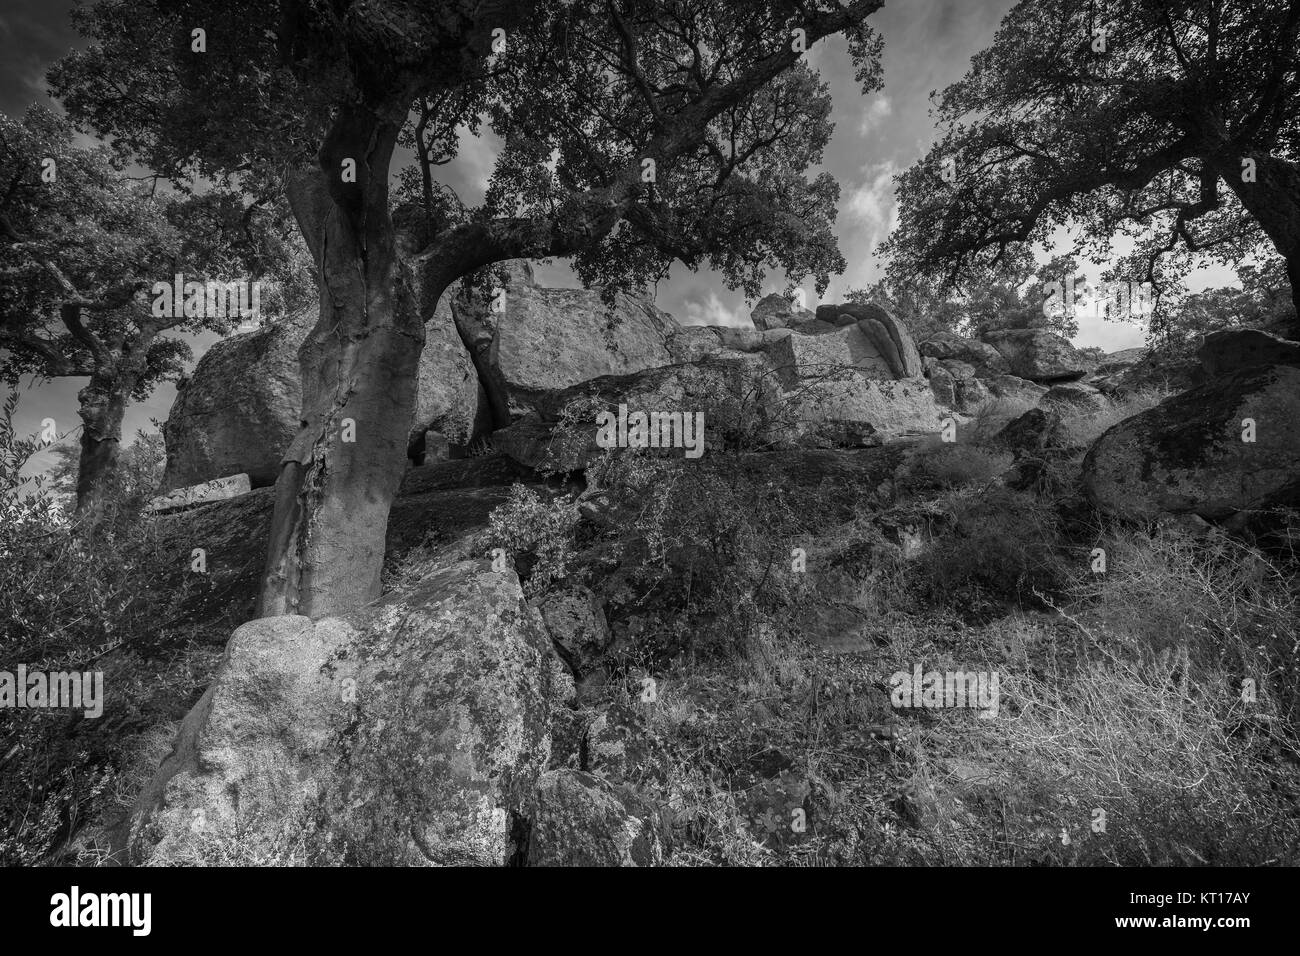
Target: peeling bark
[(359, 382)]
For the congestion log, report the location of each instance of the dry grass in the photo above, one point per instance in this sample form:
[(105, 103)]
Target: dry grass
[(1082, 426)]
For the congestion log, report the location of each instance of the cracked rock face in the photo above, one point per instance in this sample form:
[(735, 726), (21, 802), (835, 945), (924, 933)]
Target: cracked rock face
[(539, 339), (409, 732)]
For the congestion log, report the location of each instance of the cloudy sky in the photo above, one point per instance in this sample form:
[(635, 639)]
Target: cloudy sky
[(928, 44)]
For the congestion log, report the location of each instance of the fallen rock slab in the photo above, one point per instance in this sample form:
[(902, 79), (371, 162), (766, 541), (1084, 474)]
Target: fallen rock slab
[(218, 489)]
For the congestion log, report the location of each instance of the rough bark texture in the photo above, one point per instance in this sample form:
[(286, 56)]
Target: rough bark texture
[(359, 374), (102, 408), (1274, 201)]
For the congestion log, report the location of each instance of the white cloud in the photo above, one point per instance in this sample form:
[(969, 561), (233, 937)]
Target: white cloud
[(873, 205), (869, 215), (712, 311), (876, 113)]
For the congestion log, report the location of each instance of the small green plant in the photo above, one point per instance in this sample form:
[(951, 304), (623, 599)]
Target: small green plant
[(537, 535)]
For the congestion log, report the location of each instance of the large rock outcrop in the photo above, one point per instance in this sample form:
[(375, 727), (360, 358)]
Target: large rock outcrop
[(948, 346), (412, 731), (543, 339), (851, 347), (735, 393), (1037, 354), (858, 375), (1187, 455), (1229, 350), (888, 335), (778, 388), (239, 409), (775, 311), (695, 343)]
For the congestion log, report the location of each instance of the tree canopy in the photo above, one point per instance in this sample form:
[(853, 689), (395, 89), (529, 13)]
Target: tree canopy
[(1174, 123), (86, 242), (582, 93)]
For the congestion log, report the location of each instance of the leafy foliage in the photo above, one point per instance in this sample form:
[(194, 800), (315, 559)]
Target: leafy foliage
[(83, 595), (1136, 122)]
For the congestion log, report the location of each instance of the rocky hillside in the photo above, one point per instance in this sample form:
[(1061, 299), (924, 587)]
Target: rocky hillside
[(630, 656)]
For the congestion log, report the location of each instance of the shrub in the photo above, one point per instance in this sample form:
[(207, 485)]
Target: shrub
[(1082, 426), (537, 535), (1216, 601), (76, 594), (940, 464), (1003, 549)]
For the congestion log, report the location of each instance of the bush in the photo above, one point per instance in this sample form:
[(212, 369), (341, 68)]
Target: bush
[(76, 594), (1004, 549), (1082, 426), (939, 464), (537, 536), (1215, 601)]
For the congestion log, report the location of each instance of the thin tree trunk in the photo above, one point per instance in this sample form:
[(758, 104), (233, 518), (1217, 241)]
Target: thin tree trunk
[(101, 411)]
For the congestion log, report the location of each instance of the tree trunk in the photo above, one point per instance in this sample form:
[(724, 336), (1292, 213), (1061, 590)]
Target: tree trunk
[(1293, 275), (341, 473), (1273, 199), (102, 407)]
